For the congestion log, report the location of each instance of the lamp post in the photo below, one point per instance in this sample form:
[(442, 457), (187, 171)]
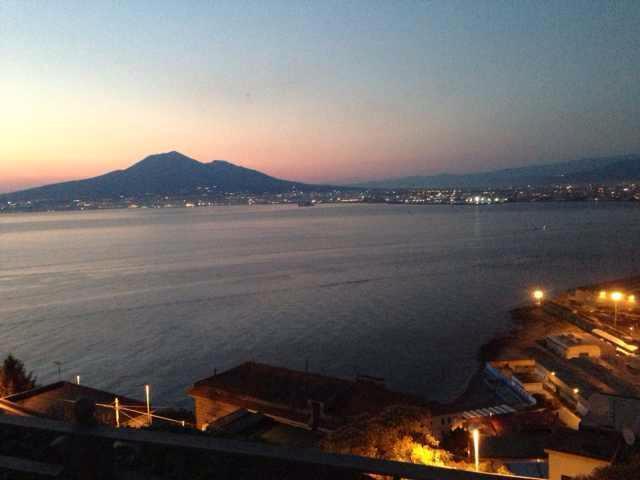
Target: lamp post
[(117, 410), (475, 433), (146, 394), (616, 297)]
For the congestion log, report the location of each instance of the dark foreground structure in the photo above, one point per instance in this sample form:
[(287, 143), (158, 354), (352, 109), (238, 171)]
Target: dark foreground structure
[(34, 448)]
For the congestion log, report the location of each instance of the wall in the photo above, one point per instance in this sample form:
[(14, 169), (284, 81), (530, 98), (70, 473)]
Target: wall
[(561, 463), (208, 411), (613, 411)]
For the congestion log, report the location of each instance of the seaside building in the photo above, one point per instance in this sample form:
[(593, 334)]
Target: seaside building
[(615, 412), (57, 400), (302, 399), (447, 418), (574, 453), (573, 345), (521, 453), (527, 377)]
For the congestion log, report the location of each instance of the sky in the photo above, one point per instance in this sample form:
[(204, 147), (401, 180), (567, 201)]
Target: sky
[(317, 91)]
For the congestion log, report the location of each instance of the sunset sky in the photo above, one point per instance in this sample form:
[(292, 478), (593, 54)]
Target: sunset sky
[(329, 91)]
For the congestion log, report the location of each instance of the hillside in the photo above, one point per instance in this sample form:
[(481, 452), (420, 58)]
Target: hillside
[(591, 170), (163, 174)]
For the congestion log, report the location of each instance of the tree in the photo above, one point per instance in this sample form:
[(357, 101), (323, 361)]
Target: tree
[(625, 470), (14, 378), (400, 433)]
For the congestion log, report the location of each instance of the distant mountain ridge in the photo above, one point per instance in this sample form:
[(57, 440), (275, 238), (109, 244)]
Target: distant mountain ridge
[(589, 170), (169, 173)]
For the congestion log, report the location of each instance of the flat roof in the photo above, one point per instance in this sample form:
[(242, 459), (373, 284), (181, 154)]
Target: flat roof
[(293, 389), (520, 446), (573, 339), (598, 444)]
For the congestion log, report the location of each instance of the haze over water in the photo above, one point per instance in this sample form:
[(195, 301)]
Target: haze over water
[(125, 298)]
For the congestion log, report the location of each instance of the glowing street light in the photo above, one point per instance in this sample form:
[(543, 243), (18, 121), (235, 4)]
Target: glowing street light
[(147, 396), (616, 297), (576, 391), (631, 299), (602, 295), (476, 447), (117, 409), (538, 296)]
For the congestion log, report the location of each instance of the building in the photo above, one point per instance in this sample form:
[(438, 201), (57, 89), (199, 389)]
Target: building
[(615, 412), (57, 401), (445, 419), (521, 453), (257, 427), (574, 453), (573, 345), (299, 398)]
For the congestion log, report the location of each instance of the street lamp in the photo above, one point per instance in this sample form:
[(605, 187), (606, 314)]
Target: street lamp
[(476, 447), (602, 295), (148, 399), (616, 297), (538, 296)]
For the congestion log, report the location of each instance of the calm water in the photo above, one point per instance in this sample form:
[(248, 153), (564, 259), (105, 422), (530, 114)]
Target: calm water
[(407, 293)]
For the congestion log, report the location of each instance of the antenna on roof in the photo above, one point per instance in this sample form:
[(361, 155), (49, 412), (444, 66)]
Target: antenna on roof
[(58, 364)]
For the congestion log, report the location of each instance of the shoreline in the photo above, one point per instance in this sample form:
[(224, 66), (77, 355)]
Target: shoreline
[(522, 316)]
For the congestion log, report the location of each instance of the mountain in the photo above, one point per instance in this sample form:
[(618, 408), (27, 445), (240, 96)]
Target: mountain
[(163, 174), (590, 170)]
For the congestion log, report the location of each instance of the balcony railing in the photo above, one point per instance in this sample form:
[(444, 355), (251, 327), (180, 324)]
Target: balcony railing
[(209, 448)]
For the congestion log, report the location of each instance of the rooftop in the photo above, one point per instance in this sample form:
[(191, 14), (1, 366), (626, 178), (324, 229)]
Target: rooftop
[(514, 446), (599, 444), (571, 339), (70, 391), (293, 389), (51, 400)]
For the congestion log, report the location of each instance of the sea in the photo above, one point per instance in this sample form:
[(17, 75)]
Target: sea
[(165, 297)]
